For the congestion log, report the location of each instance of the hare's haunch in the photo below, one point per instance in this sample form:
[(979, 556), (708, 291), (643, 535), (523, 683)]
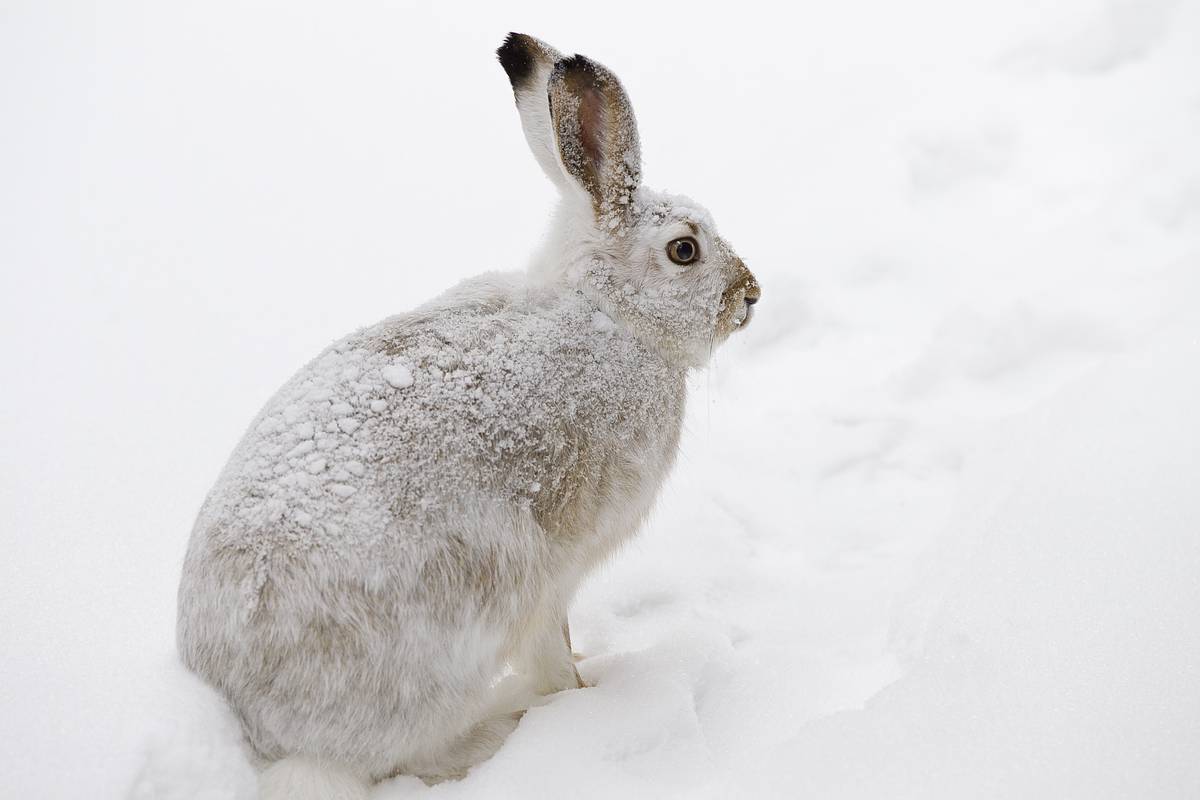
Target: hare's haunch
[(415, 508)]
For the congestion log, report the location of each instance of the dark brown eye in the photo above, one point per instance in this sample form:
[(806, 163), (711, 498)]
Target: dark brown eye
[(683, 251)]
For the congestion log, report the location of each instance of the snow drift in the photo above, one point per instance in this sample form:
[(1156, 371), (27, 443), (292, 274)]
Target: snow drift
[(1062, 663)]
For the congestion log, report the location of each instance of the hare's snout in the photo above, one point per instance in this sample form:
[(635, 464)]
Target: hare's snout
[(750, 293)]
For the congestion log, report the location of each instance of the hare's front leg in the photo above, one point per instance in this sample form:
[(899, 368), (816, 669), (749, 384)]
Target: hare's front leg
[(550, 662), (566, 631)]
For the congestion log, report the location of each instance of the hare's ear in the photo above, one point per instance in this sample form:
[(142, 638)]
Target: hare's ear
[(528, 63), (597, 136)]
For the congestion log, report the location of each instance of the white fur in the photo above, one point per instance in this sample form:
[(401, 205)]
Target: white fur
[(413, 511), (298, 778)]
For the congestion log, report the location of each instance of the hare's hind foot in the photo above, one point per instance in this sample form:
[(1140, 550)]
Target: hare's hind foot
[(301, 778), (473, 748)]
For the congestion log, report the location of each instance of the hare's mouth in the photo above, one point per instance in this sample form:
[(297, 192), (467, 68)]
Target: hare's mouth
[(743, 294), (741, 318), (737, 304), (745, 307)]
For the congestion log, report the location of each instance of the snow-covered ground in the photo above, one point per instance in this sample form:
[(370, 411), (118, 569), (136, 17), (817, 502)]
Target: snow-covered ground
[(935, 529)]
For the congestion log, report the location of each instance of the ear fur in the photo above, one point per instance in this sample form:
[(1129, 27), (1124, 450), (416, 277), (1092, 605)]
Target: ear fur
[(597, 136), (579, 124), (528, 63)]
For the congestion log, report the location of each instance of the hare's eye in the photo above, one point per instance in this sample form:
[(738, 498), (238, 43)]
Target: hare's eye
[(683, 251)]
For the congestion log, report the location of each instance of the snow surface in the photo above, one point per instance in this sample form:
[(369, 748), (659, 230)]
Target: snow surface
[(934, 529)]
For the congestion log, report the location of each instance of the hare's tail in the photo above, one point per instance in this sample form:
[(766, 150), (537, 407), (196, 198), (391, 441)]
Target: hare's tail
[(298, 778)]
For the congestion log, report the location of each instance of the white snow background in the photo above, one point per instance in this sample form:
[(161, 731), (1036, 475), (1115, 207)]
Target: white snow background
[(935, 528)]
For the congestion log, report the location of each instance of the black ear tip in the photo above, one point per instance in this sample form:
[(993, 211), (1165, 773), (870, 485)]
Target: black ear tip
[(579, 70), (516, 55)]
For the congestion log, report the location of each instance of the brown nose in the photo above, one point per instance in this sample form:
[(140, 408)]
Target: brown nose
[(752, 293)]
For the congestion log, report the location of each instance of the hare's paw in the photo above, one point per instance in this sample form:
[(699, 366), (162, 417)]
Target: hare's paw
[(549, 662), (476, 746)]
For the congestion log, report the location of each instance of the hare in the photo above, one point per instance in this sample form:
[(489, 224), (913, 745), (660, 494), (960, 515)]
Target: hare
[(414, 510)]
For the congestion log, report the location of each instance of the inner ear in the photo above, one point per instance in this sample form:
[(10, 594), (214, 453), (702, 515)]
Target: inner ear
[(597, 138), (592, 126)]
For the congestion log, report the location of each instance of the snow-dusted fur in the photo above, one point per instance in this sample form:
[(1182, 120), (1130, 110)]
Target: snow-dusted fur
[(414, 510)]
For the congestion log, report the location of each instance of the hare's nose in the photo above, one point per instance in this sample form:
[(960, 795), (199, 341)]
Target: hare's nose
[(751, 299)]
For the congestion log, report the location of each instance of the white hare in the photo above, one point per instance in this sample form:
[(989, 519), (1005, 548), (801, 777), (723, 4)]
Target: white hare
[(417, 506)]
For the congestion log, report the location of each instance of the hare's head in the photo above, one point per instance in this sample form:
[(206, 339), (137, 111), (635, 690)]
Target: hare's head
[(651, 260)]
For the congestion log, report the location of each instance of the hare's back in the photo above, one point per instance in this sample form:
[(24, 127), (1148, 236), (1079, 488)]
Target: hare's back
[(486, 397), (386, 423)]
